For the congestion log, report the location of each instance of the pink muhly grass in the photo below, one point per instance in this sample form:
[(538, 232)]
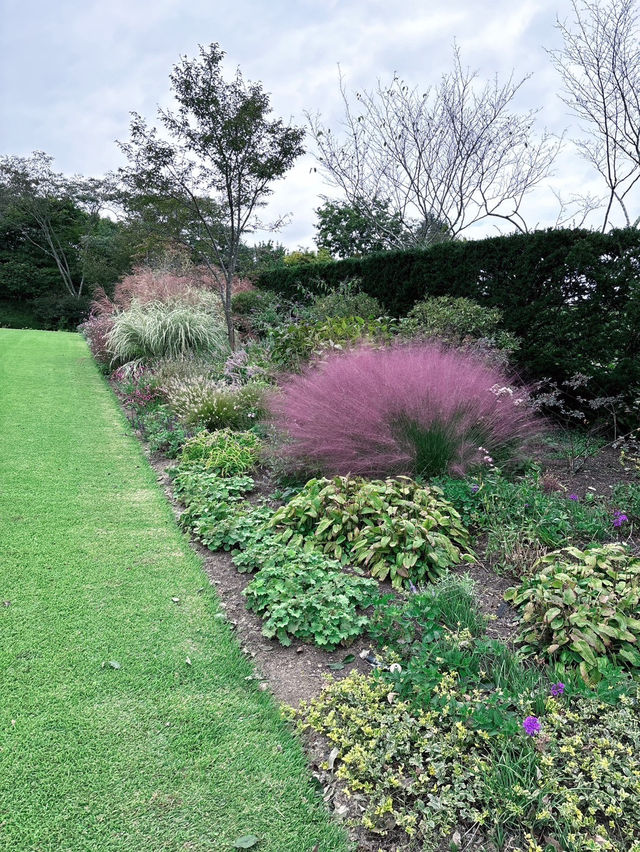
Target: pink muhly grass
[(404, 410)]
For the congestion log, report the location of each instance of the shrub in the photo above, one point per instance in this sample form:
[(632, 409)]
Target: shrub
[(226, 452), (581, 608), (393, 528), (245, 302), (291, 346), (417, 410), (347, 301), (310, 597), (96, 329), (457, 321), (164, 330), (162, 432)]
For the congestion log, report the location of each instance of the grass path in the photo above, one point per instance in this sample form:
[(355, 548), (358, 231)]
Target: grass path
[(155, 754)]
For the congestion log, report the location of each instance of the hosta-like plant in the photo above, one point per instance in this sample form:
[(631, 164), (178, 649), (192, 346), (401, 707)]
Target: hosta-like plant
[(582, 608), (393, 528)]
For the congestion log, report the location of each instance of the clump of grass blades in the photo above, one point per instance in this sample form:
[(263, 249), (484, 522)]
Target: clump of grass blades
[(159, 330)]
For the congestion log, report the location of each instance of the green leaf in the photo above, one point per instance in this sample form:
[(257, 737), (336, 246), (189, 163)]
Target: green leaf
[(247, 841)]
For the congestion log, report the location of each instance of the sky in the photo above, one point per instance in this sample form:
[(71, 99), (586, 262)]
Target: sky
[(71, 71)]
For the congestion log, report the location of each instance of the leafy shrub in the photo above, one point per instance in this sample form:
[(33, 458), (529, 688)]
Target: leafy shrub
[(582, 607), (423, 773), (223, 451), (291, 346), (245, 302), (200, 487), (310, 598), (418, 409), (214, 404), (163, 432), (393, 528), (346, 301), (457, 321), (164, 330)]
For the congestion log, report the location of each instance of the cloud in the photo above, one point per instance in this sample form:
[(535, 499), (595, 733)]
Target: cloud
[(72, 72)]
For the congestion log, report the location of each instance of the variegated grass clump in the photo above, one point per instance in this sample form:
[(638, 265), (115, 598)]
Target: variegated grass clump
[(201, 401), (165, 330)]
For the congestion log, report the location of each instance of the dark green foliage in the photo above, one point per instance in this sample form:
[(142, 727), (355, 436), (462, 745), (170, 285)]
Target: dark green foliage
[(457, 321), (572, 296)]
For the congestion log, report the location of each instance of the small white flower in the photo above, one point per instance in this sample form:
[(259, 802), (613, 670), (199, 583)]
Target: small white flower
[(395, 668)]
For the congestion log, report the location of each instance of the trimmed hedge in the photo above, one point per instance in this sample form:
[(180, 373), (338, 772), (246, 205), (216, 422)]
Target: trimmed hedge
[(573, 296)]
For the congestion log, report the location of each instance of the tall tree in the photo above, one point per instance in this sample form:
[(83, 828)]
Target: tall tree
[(599, 65), (218, 157), (455, 153), (56, 214)]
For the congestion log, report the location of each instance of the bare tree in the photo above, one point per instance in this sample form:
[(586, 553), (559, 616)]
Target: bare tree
[(214, 164), (599, 64), (53, 212), (455, 153)]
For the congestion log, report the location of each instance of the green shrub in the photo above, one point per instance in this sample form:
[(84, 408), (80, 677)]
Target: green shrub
[(165, 330), (163, 432), (393, 528), (247, 301), (457, 321), (310, 597), (223, 451), (347, 301), (202, 402), (291, 346), (582, 608)]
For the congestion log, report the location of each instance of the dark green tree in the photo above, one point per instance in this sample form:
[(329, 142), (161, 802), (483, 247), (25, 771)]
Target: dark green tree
[(354, 229), (216, 160)]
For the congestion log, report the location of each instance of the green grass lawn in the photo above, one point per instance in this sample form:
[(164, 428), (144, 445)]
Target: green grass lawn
[(150, 753)]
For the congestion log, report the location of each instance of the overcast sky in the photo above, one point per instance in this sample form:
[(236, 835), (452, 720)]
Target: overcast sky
[(73, 70)]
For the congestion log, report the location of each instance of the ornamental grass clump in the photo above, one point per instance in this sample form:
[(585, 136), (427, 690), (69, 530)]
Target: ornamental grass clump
[(406, 410), (225, 452)]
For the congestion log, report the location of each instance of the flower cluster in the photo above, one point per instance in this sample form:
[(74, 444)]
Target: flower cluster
[(619, 518)]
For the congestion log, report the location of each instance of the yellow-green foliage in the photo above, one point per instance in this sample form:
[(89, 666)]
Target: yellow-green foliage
[(428, 774), (225, 452)]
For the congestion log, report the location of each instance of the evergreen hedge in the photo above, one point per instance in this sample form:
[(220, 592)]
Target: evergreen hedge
[(572, 296)]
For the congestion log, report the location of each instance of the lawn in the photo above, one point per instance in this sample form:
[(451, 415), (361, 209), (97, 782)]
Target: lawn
[(129, 719)]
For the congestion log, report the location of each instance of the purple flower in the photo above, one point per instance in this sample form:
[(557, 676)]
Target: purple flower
[(557, 689), (475, 489), (532, 726), (414, 590), (619, 518), (574, 497)]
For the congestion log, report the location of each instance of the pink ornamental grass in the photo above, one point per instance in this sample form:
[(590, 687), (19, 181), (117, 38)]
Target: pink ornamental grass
[(418, 409)]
